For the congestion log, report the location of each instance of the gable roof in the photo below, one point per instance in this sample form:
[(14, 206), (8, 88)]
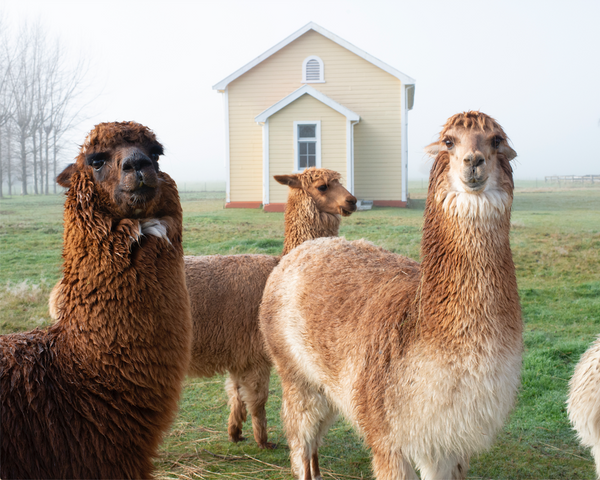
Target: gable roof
[(326, 33), (306, 90)]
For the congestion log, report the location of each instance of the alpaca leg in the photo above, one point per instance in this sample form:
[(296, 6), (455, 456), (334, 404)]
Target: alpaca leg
[(254, 390), (392, 465), (323, 428), (237, 414), (304, 413), (446, 468)]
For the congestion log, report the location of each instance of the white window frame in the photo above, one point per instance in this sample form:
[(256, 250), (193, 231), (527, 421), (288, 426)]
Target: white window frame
[(321, 70), (317, 143)]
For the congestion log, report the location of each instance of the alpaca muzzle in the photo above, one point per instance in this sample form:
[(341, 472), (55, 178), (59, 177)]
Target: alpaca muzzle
[(474, 170), (139, 171), (349, 207)]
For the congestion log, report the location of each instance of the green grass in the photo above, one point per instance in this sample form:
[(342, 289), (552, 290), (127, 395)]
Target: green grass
[(556, 247)]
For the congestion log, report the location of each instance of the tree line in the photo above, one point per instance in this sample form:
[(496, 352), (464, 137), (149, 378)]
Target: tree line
[(39, 104)]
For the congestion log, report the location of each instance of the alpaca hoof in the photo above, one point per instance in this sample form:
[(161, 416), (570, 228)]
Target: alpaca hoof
[(269, 445), (236, 438)]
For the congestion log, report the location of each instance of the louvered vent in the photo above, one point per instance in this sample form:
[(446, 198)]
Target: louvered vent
[(313, 71)]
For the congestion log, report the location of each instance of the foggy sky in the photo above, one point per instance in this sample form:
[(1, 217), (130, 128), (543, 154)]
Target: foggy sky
[(532, 65)]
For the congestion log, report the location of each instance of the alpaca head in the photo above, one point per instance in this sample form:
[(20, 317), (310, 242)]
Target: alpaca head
[(324, 188), (472, 162), (121, 158)]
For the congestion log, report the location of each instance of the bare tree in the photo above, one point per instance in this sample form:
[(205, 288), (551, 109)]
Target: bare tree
[(65, 87), (39, 105), (6, 99)]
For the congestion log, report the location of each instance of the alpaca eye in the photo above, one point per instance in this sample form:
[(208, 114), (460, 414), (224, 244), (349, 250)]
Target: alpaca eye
[(98, 164), (496, 141), (154, 157), (449, 143), (322, 188), (97, 160)]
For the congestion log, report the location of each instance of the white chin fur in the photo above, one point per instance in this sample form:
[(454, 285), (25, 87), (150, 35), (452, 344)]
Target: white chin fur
[(491, 203)]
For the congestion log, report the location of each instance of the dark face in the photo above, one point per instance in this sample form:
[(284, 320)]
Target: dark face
[(128, 173)]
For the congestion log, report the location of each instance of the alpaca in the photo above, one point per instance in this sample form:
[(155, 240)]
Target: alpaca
[(92, 395), (424, 360), (583, 404), (225, 293)]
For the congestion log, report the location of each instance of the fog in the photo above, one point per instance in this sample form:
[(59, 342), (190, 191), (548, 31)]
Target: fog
[(531, 65)]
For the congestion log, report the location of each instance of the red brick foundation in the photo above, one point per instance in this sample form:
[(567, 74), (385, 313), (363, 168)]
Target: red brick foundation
[(274, 207), (243, 205), (389, 203)]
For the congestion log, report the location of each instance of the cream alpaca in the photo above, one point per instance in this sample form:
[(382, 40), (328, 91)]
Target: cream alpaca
[(583, 403), (424, 360)]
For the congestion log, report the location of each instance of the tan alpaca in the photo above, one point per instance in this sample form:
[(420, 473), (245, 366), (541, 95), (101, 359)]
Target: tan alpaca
[(225, 294), (583, 403), (424, 360)]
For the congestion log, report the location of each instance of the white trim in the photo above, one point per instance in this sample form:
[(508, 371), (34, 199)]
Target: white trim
[(318, 142), (321, 70), (349, 169), (350, 155), (306, 90), (405, 79), (227, 158), (404, 100), (266, 186)]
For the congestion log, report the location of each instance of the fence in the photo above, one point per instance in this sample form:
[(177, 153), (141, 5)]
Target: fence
[(573, 178)]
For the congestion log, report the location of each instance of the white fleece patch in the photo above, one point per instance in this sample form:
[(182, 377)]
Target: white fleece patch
[(156, 227), (486, 205)]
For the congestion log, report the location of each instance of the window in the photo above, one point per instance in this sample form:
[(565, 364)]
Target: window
[(307, 144), (312, 70)]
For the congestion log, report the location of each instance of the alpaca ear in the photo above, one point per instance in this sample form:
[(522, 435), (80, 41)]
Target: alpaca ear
[(291, 181), (64, 178), (432, 149), (508, 152)]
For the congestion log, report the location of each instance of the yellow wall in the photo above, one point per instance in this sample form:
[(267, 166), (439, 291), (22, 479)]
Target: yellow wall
[(349, 80), (281, 141)]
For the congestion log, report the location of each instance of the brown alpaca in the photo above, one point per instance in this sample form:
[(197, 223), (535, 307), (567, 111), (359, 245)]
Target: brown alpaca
[(91, 396), (225, 294), (583, 403), (424, 360)]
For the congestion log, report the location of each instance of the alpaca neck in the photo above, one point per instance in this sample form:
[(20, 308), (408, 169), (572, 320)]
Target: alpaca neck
[(303, 221), (468, 287), (104, 271)]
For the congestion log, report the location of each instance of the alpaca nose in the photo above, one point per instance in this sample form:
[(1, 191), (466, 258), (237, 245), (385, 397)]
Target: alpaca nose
[(474, 159), (137, 161), (351, 200)]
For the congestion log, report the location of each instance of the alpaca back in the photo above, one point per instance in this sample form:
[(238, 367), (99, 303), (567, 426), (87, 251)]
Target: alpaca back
[(357, 310), (226, 293)]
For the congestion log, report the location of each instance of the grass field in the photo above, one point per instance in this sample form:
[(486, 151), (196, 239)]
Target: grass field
[(556, 246)]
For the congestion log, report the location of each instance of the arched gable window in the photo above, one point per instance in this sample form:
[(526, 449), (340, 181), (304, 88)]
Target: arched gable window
[(312, 70)]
